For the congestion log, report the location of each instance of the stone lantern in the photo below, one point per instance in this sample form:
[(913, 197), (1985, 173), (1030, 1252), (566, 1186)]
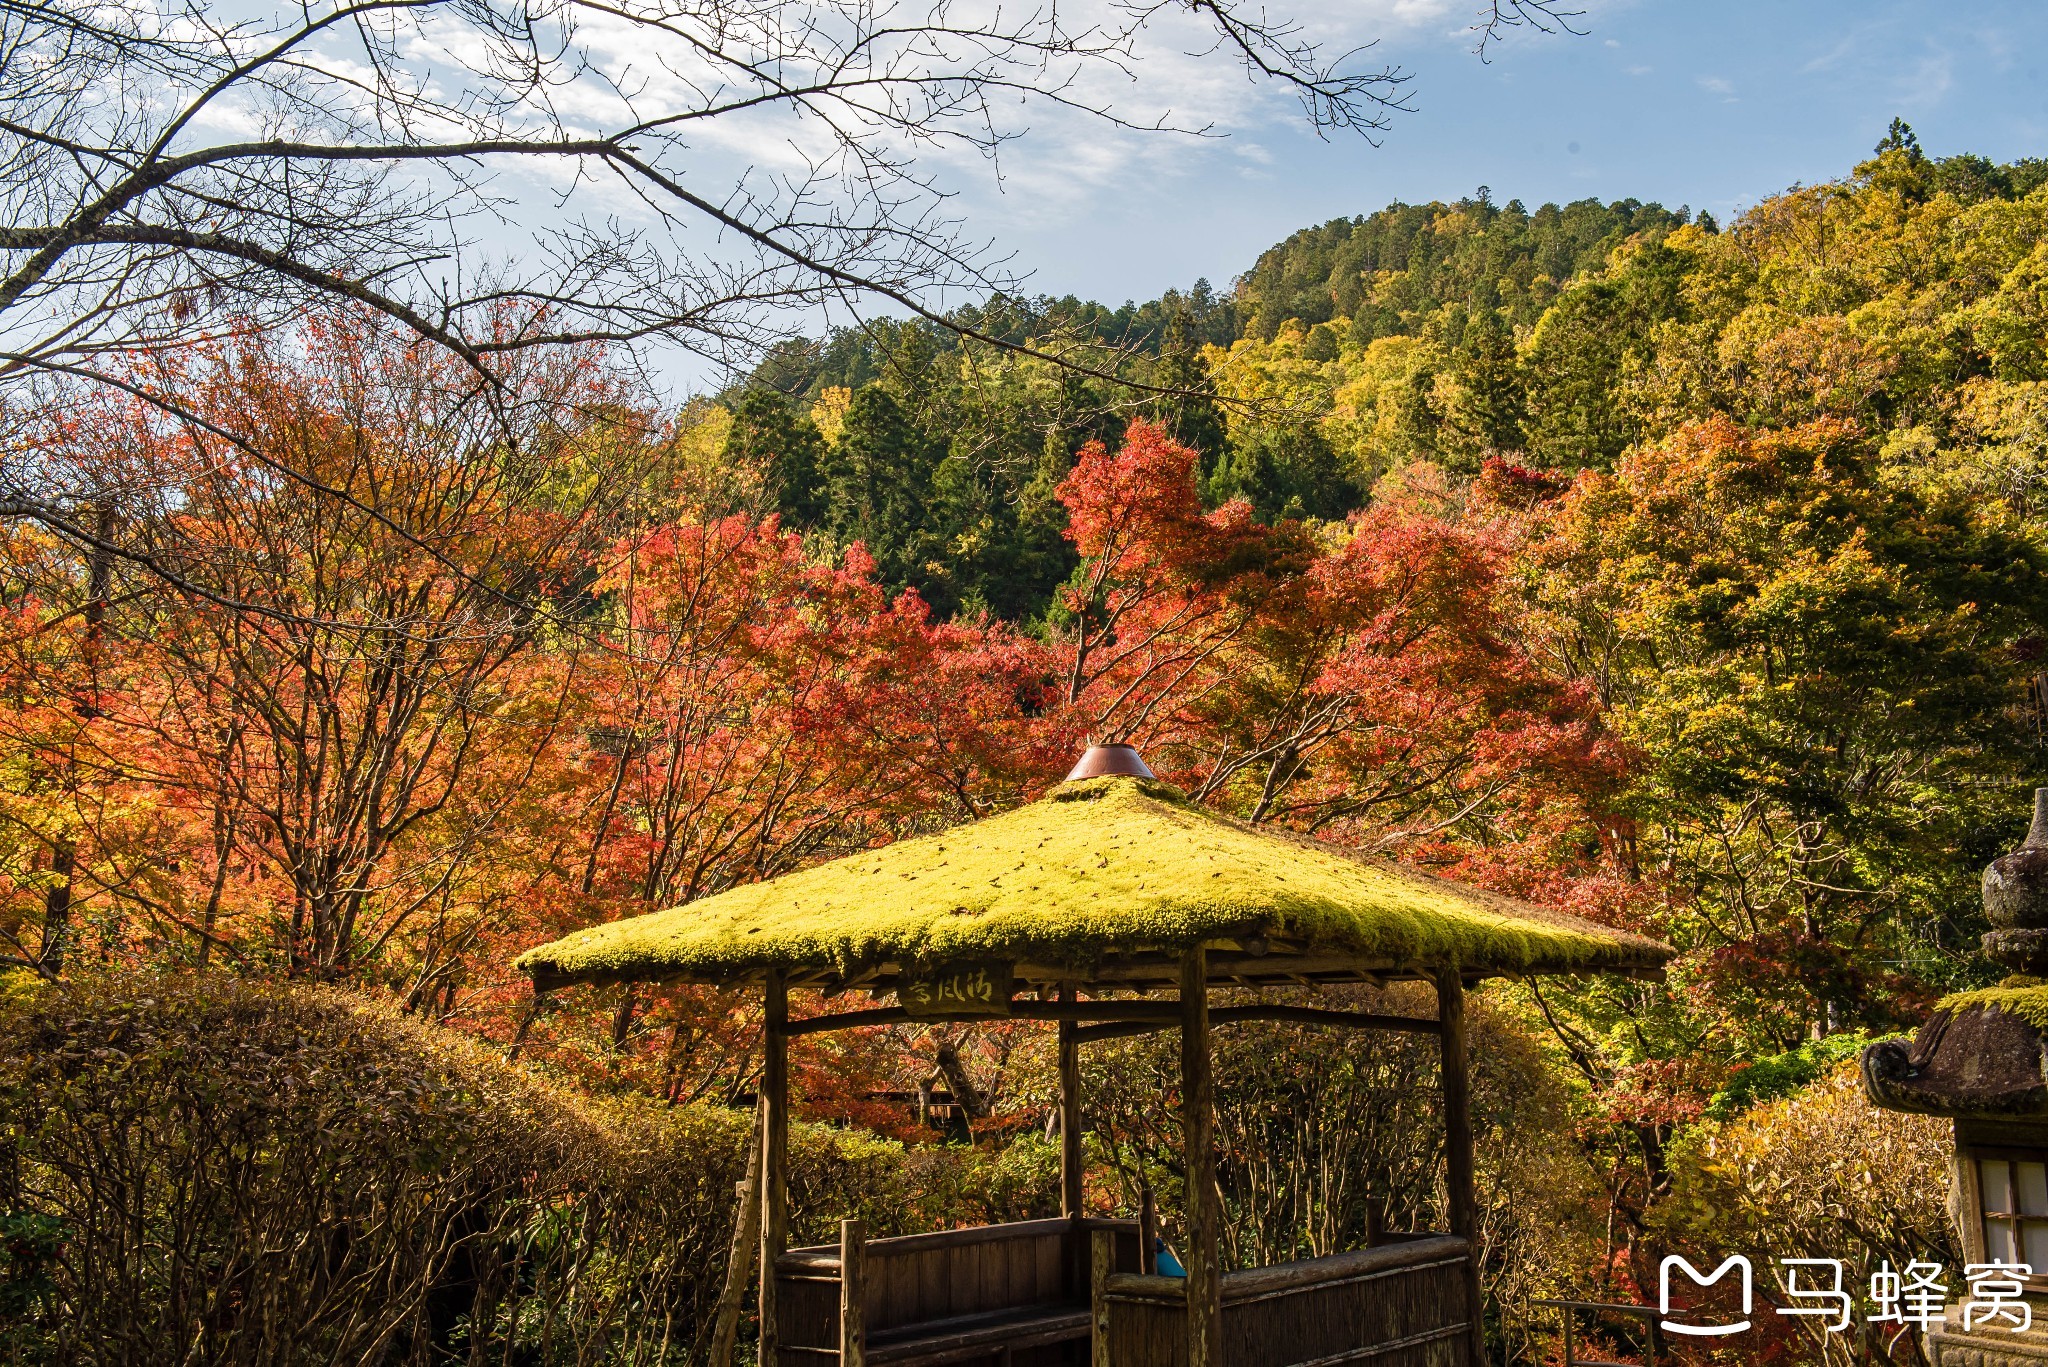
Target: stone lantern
[(1982, 1061)]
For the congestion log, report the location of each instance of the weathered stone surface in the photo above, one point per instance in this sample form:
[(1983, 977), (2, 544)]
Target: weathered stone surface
[(2016, 884), (1992, 1345), (2022, 950), (1974, 1062)]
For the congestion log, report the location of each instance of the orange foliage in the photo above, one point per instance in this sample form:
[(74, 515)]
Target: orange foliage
[(453, 694)]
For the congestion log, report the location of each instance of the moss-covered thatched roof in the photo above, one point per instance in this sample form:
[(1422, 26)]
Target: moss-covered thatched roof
[(1104, 882)]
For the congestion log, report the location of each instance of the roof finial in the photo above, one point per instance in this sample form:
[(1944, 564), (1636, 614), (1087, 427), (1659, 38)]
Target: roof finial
[(1106, 761)]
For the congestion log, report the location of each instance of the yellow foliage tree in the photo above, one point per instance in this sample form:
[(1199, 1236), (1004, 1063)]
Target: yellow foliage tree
[(1823, 1174)]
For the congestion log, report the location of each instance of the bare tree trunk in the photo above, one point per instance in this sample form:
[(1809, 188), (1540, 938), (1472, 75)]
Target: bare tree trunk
[(739, 1264), (223, 851), (99, 583), (532, 1014), (622, 1019), (57, 911), (967, 1098)]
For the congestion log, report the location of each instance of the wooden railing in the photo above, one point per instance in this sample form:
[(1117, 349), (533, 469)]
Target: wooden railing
[(1014, 1294), (1569, 1312), (1067, 1293), (1401, 1304)]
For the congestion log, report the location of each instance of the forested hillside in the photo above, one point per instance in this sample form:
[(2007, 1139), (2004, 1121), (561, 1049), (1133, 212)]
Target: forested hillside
[(1387, 273), (1761, 499), (1441, 333), (1689, 576)]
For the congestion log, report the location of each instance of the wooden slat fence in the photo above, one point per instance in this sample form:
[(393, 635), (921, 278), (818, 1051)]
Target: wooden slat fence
[(1404, 1304), (1027, 1295), (933, 1298)]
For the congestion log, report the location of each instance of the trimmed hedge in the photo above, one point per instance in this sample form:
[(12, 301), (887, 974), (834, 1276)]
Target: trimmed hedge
[(210, 1171)]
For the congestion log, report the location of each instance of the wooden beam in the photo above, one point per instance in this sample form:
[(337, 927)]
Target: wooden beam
[(853, 1266), (1148, 1234), (1089, 1034), (739, 1263), (1298, 1015), (1022, 1009), (1198, 1131), (1316, 1015), (825, 1256), (848, 1020), (1161, 969), (774, 1158), (1092, 1011), (1110, 1019), (1459, 1181), (1072, 1156)]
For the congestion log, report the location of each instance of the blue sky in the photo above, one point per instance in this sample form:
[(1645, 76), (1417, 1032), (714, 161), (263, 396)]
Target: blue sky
[(1711, 103)]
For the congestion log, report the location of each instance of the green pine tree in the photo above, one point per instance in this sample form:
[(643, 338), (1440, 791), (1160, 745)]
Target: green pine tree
[(887, 486), (1189, 411), (769, 435), (1488, 404)]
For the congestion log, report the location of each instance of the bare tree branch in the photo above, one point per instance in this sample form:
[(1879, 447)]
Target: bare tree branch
[(1544, 16), (494, 177)]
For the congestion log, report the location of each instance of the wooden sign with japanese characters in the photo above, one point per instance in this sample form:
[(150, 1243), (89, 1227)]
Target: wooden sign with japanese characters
[(957, 990)]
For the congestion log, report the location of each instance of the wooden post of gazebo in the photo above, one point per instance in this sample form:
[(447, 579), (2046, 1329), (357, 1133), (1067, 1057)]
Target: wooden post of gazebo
[(1459, 1180), (774, 1154), (1072, 1155), (1198, 1133)]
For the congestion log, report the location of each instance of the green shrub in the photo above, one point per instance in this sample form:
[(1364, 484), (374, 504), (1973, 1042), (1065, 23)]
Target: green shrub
[(209, 1171), (1777, 1075), (1819, 1173)]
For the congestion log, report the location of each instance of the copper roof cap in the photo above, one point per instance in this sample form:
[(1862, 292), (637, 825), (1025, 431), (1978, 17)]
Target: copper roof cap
[(1106, 761)]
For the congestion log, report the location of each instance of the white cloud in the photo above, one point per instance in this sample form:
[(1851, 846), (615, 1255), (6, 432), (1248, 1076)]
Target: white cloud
[(1928, 79), (1718, 85), (1834, 55)]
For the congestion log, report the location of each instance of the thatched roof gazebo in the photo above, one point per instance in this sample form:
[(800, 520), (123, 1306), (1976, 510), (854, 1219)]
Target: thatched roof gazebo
[(1111, 884)]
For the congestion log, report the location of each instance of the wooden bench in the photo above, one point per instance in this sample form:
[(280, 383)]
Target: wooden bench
[(966, 1338), (1014, 1295)]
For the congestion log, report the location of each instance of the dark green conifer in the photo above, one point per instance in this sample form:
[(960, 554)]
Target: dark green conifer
[(769, 435)]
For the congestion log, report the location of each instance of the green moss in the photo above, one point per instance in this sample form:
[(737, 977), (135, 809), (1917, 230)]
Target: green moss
[(2030, 1004), (1101, 867), (1776, 1075)]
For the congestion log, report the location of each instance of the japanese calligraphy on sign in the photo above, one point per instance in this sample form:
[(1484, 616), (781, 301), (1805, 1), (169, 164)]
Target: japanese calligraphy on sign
[(958, 990)]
